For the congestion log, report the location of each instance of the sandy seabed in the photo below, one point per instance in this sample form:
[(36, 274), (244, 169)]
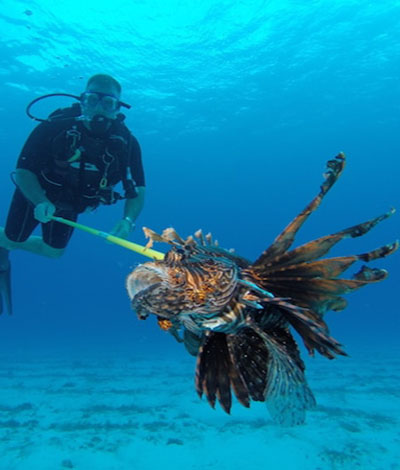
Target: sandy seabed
[(127, 412)]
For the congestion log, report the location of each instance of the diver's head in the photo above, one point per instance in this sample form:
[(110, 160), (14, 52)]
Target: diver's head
[(100, 102)]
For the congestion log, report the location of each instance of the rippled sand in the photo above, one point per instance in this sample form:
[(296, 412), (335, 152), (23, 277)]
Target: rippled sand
[(126, 412)]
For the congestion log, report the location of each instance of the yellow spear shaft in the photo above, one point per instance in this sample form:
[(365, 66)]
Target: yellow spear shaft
[(111, 238)]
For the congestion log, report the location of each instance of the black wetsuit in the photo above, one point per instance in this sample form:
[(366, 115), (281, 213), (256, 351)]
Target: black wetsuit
[(77, 169)]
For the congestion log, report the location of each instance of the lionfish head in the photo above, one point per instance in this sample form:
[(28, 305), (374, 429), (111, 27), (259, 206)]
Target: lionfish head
[(180, 286), (145, 276), (157, 288)]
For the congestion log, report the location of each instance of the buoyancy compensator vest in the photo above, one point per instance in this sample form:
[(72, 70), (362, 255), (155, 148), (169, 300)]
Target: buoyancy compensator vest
[(85, 167)]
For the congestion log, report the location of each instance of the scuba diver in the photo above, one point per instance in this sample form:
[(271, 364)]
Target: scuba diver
[(70, 164)]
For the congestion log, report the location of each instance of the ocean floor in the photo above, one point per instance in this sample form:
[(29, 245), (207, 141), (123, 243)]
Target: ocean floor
[(127, 412)]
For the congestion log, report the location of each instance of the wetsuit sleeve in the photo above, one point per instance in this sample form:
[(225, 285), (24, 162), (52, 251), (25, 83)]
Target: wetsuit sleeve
[(135, 162), (35, 153)]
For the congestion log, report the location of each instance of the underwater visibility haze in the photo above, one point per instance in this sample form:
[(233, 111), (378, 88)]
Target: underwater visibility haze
[(237, 106)]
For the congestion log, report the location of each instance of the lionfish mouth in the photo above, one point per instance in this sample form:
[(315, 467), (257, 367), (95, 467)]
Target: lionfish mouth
[(143, 277)]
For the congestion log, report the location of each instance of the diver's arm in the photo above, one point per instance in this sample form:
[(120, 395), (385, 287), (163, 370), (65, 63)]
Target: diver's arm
[(29, 184), (133, 207)]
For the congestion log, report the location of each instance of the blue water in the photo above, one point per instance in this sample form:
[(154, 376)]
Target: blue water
[(237, 106)]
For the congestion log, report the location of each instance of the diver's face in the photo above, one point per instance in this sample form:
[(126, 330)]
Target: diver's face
[(100, 100)]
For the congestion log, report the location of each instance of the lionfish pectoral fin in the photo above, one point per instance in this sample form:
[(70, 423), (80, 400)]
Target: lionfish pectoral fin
[(215, 373), (287, 393), (173, 330), (249, 357), (257, 364), (192, 341)]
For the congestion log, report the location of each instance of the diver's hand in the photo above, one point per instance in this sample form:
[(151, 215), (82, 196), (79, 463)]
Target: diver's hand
[(123, 229), (44, 211)]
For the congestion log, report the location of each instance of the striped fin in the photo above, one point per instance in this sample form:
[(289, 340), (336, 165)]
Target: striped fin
[(215, 373), (317, 248), (285, 239), (287, 393)]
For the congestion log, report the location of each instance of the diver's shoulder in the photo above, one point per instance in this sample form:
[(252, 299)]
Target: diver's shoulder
[(58, 120), (125, 131), (65, 114)]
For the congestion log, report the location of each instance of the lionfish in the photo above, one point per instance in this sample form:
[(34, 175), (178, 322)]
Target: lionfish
[(236, 316)]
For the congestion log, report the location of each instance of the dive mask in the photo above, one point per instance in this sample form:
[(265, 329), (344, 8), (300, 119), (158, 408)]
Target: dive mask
[(109, 103)]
